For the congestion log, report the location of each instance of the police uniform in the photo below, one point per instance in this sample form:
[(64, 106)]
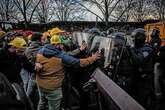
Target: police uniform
[(142, 58)]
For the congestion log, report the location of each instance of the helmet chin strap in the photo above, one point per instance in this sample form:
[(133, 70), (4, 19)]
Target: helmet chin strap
[(139, 45)]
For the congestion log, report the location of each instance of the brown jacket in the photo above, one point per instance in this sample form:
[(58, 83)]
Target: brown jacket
[(52, 73)]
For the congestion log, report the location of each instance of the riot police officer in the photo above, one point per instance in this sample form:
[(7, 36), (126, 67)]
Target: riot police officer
[(122, 68), (159, 79), (142, 59), (155, 40)]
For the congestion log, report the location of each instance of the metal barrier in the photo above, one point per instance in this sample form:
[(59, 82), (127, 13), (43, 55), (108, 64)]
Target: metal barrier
[(117, 98)]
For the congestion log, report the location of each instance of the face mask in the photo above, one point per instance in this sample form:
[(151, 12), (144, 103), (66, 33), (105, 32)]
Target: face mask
[(139, 43)]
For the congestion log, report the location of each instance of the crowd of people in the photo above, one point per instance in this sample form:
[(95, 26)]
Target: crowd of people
[(45, 66), (36, 62)]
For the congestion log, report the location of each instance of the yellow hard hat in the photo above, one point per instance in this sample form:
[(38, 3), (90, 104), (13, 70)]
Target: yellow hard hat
[(2, 33), (18, 43), (55, 39), (55, 31)]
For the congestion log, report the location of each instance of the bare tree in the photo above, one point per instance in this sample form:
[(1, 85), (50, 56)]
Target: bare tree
[(44, 11), (27, 9), (141, 9), (136, 10), (7, 10), (68, 10), (123, 9), (160, 8), (106, 7)]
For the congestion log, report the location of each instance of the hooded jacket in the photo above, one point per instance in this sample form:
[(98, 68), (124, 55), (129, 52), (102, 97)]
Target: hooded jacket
[(52, 60)]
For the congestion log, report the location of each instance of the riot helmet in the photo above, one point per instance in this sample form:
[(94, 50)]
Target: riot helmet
[(155, 41), (139, 37), (118, 39), (94, 31), (155, 33)]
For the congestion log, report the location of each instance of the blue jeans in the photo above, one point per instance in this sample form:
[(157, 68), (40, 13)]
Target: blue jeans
[(28, 81), (50, 99)]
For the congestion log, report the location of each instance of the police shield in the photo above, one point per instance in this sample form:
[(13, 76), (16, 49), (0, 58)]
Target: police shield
[(95, 43), (117, 44), (105, 45), (79, 37)]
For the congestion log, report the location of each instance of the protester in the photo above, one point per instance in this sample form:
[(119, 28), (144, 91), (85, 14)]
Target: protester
[(12, 60), (50, 77), (30, 85)]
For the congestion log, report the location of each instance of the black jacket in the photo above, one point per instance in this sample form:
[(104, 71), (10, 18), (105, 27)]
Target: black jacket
[(10, 65)]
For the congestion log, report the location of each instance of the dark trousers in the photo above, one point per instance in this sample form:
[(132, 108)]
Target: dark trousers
[(145, 92)]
